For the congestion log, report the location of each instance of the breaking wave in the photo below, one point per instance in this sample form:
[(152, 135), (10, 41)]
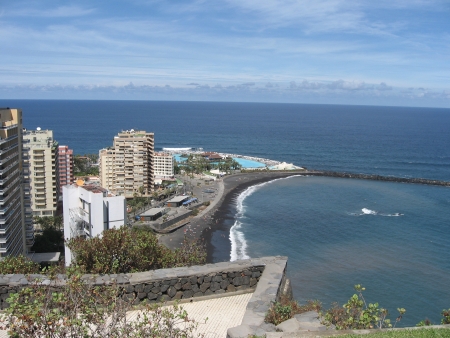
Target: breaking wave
[(366, 211), (176, 149), (237, 237)]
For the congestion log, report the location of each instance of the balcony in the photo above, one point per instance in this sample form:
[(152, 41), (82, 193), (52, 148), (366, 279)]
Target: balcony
[(9, 138)]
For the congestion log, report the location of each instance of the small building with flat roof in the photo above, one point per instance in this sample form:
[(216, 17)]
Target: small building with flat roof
[(177, 201), (152, 214), (46, 258)]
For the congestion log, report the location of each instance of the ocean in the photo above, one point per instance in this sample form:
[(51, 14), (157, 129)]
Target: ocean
[(393, 238)]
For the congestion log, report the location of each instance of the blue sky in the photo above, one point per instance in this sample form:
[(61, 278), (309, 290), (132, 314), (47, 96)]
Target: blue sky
[(380, 52)]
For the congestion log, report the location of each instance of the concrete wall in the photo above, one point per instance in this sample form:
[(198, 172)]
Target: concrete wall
[(163, 225), (262, 276)]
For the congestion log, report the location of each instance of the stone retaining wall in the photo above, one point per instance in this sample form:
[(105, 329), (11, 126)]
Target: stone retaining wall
[(161, 285), (272, 284), (166, 224)]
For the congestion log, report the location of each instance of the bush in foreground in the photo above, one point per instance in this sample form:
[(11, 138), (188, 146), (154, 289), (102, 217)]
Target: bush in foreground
[(19, 264), (77, 309), (125, 250), (357, 314)]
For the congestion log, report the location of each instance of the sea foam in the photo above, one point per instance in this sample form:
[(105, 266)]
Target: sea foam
[(366, 211), (237, 237)]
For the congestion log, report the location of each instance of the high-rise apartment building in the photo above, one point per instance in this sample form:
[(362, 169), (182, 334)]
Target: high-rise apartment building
[(16, 228), (65, 166), (41, 152), (127, 167), (106, 168), (163, 165)]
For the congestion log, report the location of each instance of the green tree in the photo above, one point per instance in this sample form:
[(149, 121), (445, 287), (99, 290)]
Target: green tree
[(51, 239), (124, 250), (55, 222), (83, 165)]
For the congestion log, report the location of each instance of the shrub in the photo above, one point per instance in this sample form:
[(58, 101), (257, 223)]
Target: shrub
[(77, 309), (19, 264), (195, 212), (286, 309), (425, 322), (124, 250), (357, 314), (446, 315), (206, 203)]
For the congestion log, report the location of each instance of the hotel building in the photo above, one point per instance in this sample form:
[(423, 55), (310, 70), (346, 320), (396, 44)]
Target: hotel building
[(16, 228), (163, 165), (127, 167), (65, 164), (41, 157)]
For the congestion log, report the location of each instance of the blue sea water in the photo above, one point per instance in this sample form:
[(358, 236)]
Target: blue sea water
[(392, 238)]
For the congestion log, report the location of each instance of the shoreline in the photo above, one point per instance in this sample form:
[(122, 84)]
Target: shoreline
[(212, 226), (212, 222)]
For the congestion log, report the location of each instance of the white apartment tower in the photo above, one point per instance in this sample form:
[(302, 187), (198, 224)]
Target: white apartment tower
[(127, 167), (41, 152), (163, 165), (16, 229), (88, 211)]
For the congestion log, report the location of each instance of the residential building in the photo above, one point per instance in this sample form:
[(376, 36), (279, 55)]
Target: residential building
[(163, 165), (106, 168), (65, 166), (127, 167), (16, 228), (41, 157), (88, 211)]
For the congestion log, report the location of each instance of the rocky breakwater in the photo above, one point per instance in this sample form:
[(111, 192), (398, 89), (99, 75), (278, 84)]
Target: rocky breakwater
[(379, 178)]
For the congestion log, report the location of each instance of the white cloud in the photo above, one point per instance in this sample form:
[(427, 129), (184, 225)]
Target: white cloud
[(59, 12)]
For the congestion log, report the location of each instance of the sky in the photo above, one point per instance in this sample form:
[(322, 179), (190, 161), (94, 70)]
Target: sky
[(384, 52)]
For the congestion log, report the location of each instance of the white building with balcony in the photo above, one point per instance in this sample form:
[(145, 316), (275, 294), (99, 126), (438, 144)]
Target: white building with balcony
[(88, 211), (163, 165)]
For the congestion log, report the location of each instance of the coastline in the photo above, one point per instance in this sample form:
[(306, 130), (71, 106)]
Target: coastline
[(212, 226)]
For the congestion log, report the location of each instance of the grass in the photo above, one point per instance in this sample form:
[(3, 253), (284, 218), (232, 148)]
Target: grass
[(419, 333)]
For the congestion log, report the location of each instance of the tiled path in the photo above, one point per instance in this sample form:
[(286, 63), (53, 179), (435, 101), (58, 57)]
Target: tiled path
[(222, 313)]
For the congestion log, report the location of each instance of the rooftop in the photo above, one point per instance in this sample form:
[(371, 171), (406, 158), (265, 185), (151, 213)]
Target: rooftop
[(152, 212), (45, 257), (95, 189), (178, 199)]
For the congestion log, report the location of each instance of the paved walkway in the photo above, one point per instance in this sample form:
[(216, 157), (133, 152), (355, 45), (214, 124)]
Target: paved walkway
[(222, 313)]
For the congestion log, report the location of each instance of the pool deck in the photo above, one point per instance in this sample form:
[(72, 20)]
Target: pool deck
[(264, 161)]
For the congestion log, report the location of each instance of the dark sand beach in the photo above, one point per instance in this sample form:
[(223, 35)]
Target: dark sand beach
[(217, 218)]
